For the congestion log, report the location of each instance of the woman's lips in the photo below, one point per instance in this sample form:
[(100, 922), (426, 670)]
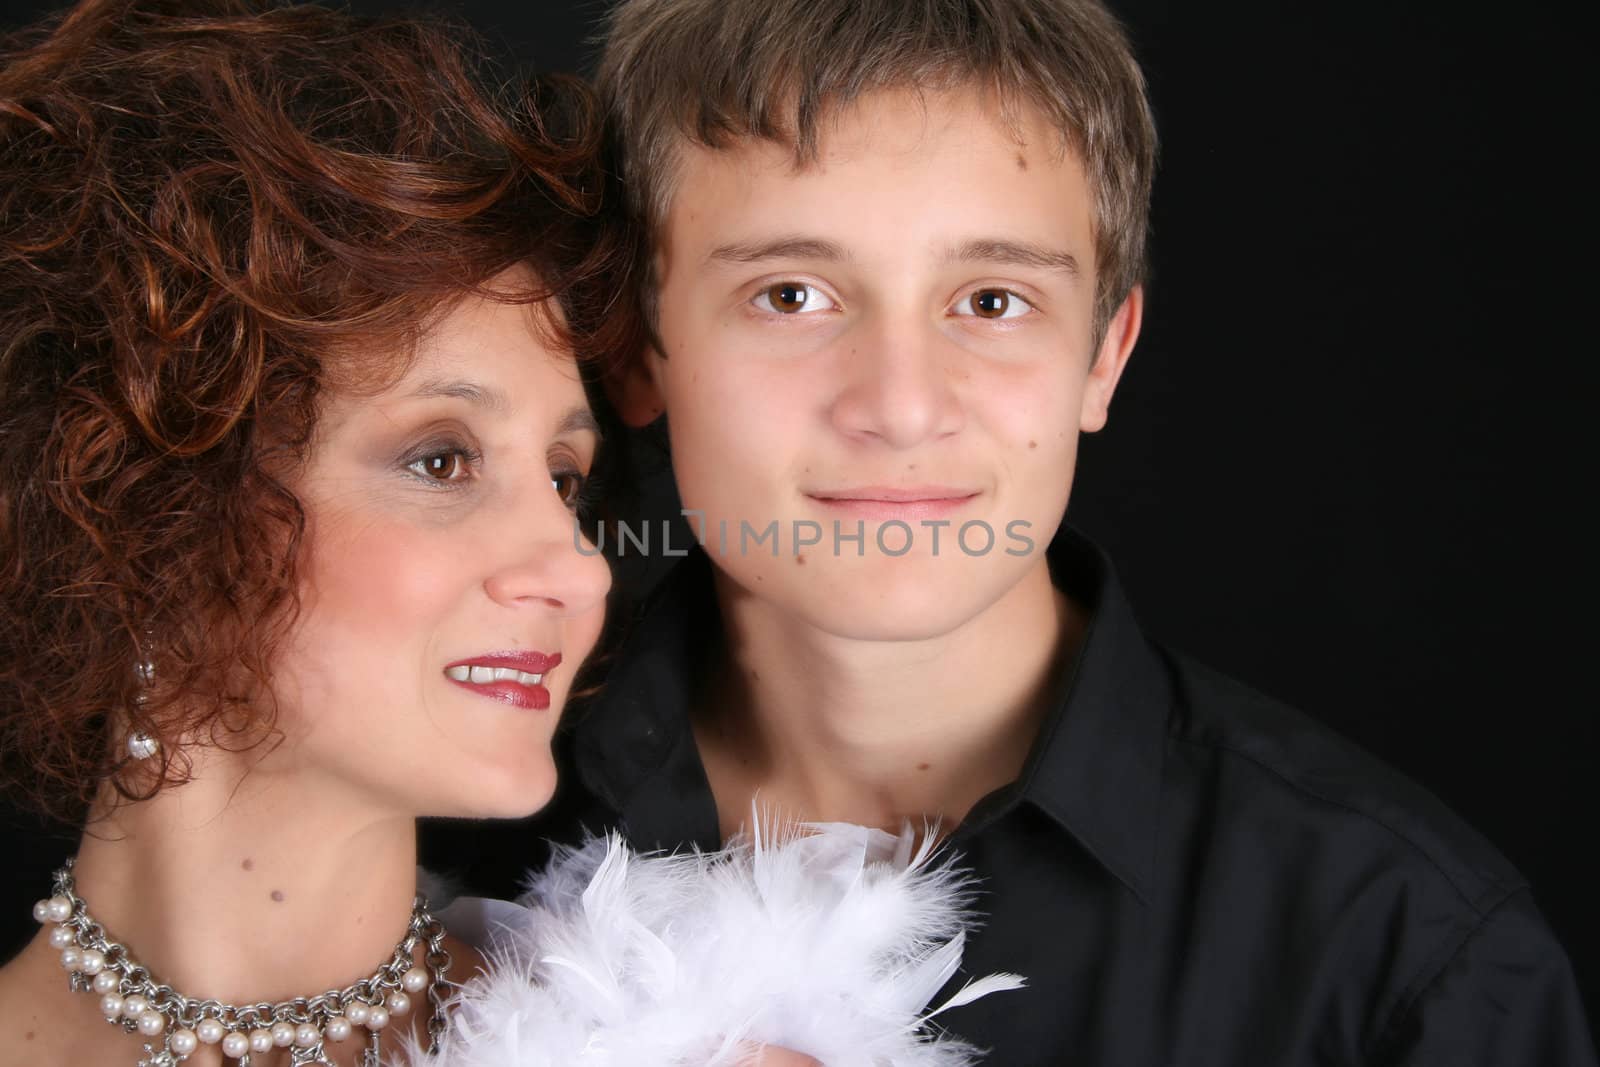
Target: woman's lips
[(879, 502), (514, 678)]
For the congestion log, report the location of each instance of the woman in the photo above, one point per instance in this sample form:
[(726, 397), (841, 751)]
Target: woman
[(292, 443), (291, 451)]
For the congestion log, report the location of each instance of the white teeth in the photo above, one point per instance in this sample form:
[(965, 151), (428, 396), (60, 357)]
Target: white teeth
[(485, 675)]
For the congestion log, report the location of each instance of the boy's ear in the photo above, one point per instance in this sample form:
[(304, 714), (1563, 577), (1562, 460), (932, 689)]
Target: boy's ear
[(633, 391), (1110, 360)]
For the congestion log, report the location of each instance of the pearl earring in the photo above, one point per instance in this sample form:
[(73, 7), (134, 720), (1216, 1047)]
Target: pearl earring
[(142, 746)]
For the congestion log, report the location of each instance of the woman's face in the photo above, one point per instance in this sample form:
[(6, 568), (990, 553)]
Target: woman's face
[(446, 605)]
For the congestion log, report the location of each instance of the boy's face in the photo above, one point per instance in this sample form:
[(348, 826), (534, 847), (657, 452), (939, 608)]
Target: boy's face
[(899, 334)]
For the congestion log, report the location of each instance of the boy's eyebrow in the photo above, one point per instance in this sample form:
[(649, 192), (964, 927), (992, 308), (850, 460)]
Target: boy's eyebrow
[(985, 250), (792, 246), (1019, 253)]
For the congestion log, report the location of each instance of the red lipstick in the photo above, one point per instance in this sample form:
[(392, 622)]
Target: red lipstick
[(515, 678)]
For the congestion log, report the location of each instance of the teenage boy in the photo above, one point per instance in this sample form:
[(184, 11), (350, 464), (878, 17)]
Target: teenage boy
[(895, 260)]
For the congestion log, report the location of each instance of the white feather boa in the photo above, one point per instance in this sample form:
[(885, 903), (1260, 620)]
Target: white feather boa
[(827, 939)]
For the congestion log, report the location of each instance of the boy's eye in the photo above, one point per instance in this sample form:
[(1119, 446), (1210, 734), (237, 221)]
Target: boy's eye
[(994, 304), (789, 298), (569, 487), (450, 465)]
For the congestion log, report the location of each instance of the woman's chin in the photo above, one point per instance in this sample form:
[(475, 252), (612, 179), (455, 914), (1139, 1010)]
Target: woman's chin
[(499, 794)]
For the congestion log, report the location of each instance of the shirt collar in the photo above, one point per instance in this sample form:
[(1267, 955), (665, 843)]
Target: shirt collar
[(1095, 768), (633, 743)]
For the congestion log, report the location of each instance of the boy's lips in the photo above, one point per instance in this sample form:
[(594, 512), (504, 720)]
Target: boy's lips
[(514, 678), (885, 502)]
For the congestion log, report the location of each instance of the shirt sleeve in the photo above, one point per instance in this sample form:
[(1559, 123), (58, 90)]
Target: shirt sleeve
[(1507, 998)]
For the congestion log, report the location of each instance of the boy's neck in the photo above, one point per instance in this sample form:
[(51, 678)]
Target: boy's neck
[(817, 727)]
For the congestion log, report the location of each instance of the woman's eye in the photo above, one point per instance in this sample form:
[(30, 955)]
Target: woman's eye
[(449, 465), (569, 487), (994, 304), (791, 298)]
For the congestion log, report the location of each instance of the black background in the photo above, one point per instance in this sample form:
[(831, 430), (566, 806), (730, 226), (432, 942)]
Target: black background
[(1344, 464)]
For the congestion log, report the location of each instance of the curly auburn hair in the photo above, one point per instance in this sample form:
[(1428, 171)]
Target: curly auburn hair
[(207, 209)]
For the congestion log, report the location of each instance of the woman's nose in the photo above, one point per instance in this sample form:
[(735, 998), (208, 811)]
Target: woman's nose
[(553, 567)]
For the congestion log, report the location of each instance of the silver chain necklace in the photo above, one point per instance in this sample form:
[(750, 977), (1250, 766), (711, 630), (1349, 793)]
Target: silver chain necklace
[(131, 998)]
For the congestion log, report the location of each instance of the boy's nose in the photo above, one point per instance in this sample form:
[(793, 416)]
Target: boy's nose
[(897, 388)]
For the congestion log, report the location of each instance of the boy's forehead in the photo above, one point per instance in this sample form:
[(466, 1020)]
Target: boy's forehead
[(932, 145), (897, 121), (892, 125)]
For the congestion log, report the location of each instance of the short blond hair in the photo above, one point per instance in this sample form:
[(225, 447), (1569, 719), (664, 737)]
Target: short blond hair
[(711, 72)]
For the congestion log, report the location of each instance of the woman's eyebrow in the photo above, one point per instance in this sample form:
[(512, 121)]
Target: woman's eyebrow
[(577, 420), (475, 393)]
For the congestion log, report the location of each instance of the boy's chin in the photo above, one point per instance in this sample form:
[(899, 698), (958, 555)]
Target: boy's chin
[(890, 599)]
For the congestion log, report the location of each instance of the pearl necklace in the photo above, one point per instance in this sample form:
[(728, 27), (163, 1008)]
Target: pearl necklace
[(131, 998)]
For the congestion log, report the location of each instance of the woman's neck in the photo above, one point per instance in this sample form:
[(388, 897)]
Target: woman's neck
[(251, 887)]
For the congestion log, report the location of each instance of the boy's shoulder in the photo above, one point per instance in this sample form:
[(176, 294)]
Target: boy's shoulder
[(1278, 770), (1386, 921)]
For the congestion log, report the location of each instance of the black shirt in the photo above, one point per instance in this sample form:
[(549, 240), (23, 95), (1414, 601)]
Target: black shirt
[(1187, 872)]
